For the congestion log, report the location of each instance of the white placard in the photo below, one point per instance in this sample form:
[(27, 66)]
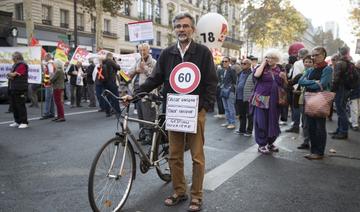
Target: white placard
[(141, 31), (182, 113), (32, 56)]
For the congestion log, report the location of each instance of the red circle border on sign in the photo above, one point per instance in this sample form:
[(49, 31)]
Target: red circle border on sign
[(196, 83)]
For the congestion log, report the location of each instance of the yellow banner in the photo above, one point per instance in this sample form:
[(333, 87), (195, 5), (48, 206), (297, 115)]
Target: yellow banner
[(124, 76), (60, 55)]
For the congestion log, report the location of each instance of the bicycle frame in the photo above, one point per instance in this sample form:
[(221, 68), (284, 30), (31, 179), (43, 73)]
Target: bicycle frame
[(129, 136)]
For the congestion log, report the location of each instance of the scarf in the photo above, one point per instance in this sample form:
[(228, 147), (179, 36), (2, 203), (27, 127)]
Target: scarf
[(321, 65)]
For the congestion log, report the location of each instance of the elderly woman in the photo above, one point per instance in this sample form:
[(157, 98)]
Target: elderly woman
[(57, 81), (321, 74), (269, 77)]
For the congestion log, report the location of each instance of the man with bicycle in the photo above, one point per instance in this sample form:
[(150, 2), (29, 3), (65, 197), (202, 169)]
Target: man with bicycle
[(186, 50)]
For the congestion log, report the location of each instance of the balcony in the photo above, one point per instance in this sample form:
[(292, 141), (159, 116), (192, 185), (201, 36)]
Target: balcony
[(64, 25), (109, 34), (46, 22), (80, 28)]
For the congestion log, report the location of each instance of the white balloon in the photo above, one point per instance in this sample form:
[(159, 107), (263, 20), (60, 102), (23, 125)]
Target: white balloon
[(212, 29)]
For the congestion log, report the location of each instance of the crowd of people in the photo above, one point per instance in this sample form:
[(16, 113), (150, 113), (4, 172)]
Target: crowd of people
[(255, 90), (259, 94)]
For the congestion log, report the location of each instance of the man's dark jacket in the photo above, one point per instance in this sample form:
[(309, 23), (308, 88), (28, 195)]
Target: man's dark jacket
[(340, 69), (198, 54), (110, 68), (19, 83)]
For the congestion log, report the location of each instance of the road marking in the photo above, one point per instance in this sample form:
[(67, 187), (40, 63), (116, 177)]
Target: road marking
[(67, 114), (217, 176)]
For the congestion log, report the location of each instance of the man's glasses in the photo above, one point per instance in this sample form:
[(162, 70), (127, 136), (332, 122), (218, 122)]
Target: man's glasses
[(224, 61), (245, 63), (184, 26), (315, 55)]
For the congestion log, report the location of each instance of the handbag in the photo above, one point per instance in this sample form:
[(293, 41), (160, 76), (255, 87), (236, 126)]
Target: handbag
[(225, 92), (282, 100), (282, 94), (318, 104), (260, 101)]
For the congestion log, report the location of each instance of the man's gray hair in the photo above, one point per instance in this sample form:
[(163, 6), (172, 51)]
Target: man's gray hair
[(303, 53), (18, 56), (184, 15), (343, 51)]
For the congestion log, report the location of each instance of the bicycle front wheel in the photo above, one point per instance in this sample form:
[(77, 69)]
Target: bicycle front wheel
[(161, 157), (111, 175)]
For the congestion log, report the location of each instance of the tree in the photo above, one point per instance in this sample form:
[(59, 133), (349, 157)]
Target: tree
[(273, 23), (111, 6), (355, 17), (326, 39)]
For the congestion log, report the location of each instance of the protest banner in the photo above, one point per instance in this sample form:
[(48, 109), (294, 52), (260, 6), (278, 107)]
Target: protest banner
[(182, 113), (32, 56), (80, 55), (140, 31), (62, 52)]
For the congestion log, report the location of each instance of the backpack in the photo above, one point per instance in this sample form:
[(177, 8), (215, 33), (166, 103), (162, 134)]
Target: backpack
[(351, 77)]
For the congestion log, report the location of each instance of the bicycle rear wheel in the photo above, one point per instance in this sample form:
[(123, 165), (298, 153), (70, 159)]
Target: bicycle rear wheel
[(107, 188), (161, 155)]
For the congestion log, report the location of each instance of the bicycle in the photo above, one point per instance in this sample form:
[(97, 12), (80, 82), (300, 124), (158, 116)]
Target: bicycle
[(113, 169)]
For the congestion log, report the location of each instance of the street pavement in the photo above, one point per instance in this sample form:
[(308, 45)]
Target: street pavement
[(45, 168)]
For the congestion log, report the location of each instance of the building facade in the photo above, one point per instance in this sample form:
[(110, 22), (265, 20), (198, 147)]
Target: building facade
[(54, 21)]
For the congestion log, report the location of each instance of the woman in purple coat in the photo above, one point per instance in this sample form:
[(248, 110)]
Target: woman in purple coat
[(269, 77)]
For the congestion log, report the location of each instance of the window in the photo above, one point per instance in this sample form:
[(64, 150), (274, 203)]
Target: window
[(46, 15), (233, 28), (64, 18), (19, 12), (93, 23), (149, 10), (127, 8), (80, 21), (141, 9), (157, 11), (171, 16), (127, 33), (190, 1), (106, 25), (158, 38)]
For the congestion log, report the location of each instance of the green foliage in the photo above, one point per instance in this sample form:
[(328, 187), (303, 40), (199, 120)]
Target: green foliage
[(355, 17), (326, 39), (273, 22), (111, 6)]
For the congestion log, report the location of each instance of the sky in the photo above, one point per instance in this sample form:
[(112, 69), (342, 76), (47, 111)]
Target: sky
[(321, 11)]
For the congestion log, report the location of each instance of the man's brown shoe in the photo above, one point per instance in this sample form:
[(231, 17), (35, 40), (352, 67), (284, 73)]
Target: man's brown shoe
[(314, 157)]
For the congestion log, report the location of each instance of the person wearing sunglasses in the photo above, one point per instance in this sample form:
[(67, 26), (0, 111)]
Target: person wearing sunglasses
[(227, 93), (314, 80), (244, 87)]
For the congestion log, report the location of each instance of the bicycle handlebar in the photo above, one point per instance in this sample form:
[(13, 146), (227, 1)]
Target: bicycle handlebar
[(148, 96)]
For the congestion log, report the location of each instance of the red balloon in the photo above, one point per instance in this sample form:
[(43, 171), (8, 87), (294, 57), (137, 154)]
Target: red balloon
[(294, 48)]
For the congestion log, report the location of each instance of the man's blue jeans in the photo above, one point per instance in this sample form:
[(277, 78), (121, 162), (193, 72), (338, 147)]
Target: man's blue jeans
[(49, 102), (229, 106), (99, 89), (341, 99)]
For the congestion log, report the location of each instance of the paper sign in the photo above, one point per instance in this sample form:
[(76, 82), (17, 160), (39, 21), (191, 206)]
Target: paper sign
[(141, 31), (182, 113)]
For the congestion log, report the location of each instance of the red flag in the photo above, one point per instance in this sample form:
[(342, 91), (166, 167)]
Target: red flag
[(35, 42)]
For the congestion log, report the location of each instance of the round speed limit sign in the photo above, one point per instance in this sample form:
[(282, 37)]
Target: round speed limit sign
[(185, 78)]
